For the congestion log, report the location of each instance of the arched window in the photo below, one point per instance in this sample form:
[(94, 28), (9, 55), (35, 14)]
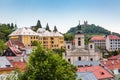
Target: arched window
[(79, 43), (91, 59), (68, 46), (79, 58), (91, 46), (69, 60)]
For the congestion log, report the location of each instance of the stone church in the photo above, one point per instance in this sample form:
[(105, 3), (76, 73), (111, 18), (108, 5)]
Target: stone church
[(76, 51)]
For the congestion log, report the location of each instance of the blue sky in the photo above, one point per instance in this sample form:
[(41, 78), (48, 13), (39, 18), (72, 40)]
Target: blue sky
[(62, 13)]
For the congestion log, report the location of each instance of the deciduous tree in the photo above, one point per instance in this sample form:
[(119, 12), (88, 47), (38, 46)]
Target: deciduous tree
[(45, 65)]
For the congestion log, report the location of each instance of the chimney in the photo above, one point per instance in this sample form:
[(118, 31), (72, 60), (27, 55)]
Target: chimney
[(112, 62), (104, 62)]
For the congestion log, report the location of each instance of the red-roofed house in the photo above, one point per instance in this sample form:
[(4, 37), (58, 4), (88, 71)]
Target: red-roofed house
[(15, 48), (112, 43), (113, 65), (99, 72), (99, 41)]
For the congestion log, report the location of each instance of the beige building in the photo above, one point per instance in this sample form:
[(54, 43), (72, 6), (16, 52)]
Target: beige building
[(50, 40), (77, 52)]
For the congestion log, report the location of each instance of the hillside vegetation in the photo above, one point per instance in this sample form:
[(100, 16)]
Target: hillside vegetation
[(5, 30), (89, 30)]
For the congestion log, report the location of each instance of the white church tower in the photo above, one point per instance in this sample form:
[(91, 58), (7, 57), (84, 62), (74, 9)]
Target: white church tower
[(79, 38)]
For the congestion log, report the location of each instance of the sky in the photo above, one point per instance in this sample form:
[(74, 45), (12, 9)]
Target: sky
[(62, 13)]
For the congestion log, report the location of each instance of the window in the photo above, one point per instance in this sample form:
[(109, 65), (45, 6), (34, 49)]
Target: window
[(91, 46), (69, 60), (52, 42), (51, 38), (91, 59), (119, 70), (79, 58), (79, 43), (68, 46), (78, 38)]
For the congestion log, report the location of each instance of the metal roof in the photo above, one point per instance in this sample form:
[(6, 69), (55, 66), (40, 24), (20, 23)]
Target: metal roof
[(93, 63), (24, 31), (85, 76), (4, 62)]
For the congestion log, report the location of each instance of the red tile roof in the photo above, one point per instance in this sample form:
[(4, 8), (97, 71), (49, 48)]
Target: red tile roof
[(97, 38), (16, 51), (98, 71), (7, 69), (113, 37), (112, 64), (114, 57), (19, 65)]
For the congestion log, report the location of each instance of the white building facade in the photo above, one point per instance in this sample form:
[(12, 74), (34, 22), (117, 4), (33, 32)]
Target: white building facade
[(112, 43)]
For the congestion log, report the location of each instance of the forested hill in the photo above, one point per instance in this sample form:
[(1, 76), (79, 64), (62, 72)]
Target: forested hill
[(92, 29)]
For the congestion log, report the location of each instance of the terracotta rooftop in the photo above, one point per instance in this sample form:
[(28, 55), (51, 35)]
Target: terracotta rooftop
[(7, 69), (98, 71), (19, 65), (112, 64), (16, 51), (97, 38), (113, 37), (114, 57)]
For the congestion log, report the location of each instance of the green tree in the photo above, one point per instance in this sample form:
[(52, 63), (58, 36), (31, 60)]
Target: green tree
[(34, 43), (2, 46), (55, 29), (15, 27), (47, 27), (68, 36), (2, 36), (8, 25), (12, 25), (45, 65), (39, 24), (5, 30)]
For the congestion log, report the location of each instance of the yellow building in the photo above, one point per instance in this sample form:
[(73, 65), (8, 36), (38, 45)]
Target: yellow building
[(50, 40), (25, 35)]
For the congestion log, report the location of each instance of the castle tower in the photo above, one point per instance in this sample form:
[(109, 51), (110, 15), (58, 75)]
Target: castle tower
[(79, 37)]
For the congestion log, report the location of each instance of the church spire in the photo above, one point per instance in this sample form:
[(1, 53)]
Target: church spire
[(79, 30)]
